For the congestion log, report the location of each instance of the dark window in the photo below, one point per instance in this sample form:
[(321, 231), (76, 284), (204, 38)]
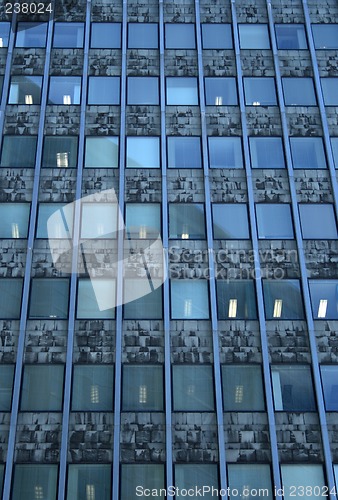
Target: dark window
[(104, 90), (102, 152), (182, 91), (68, 35), (242, 388), (180, 36), (55, 220), (184, 152), (49, 298), (334, 146), (330, 386), (324, 298), (6, 386), (142, 36), (96, 298), (64, 90), (93, 387), (299, 92), (325, 36), (292, 388), (197, 477), (274, 221), (225, 152), (143, 220), (10, 293), (150, 476), (216, 36), (142, 388), (14, 220), (18, 151), (250, 478), (4, 36), (42, 388), (230, 221), (220, 91), (236, 299), (35, 481), (143, 299), (31, 35), (330, 91), (254, 36), (283, 299), (318, 221), (266, 152), (105, 36), (186, 221), (291, 36), (25, 90), (59, 152), (150, 157), (189, 299), (307, 152), (143, 90), (193, 388), (260, 91), (89, 481)]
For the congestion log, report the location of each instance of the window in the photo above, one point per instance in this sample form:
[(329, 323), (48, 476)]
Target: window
[(325, 36), (220, 91), (96, 299), (180, 36), (330, 94), (216, 36), (291, 36), (35, 481), (298, 476), (142, 299), (334, 145), (299, 92), (64, 90), (186, 221), (143, 220), (225, 152), (105, 36), (93, 388), (31, 35), (59, 152), (182, 91), (184, 152), (292, 388), (189, 299), (274, 221), (242, 388), (248, 479), (4, 36), (49, 298), (236, 299), (266, 152), (142, 36), (150, 476), (104, 90), (99, 220), (102, 152), (68, 35), (42, 388), (142, 388), (25, 90), (14, 220), (142, 90), (6, 386), (260, 91), (324, 298), (18, 151), (330, 386), (254, 36), (197, 477), (193, 388), (2, 473), (230, 221), (143, 152), (283, 299), (55, 220), (89, 481), (318, 221), (10, 293), (307, 152)]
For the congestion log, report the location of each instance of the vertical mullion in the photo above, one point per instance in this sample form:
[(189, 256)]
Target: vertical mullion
[(5, 85)]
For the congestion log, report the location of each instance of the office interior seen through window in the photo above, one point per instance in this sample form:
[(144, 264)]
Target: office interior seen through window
[(169, 255)]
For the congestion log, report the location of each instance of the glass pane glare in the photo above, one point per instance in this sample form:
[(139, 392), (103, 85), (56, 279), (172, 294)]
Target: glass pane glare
[(102, 152), (182, 91), (143, 152), (96, 298)]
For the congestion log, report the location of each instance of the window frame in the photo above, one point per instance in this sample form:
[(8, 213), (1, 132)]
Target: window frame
[(76, 87), (115, 142), (231, 101), (22, 82), (257, 408), (299, 82), (255, 154), (75, 148), (12, 137), (292, 26), (26, 206), (251, 25), (17, 314), (274, 310), (209, 26), (205, 314), (172, 152), (23, 44), (65, 314), (59, 397)]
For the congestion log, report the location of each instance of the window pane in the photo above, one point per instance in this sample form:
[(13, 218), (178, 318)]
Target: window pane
[(180, 36), (42, 388), (248, 479), (236, 299), (242, 388), (105, 35), (330, 386), (193, 388), (102, 152), (274, 221), (93, 388), (260, 91), (307, 152), (325, 36), (216, 36), (142, 36), (196, 477), (64, 90), (31, 35), (68, 35), (182, 91), (104, 90), (334, 145), (10, 293), (14, 220), (330, 91), (225, 152), (292, 388), (18, 151), (283, 299), (25, 90), (324, 298), (99, 220), (254, 36), (143, 220), (150, 152), (49, 298), (136, 478), (89, 481), (220, 91), (266, 152), (230, 221), (35, 481), (186, 221), (142, 388), (291, 36), (299, 92), (189, 299), (296, 477), (184, 152), (59, 152), (2, 474), (6, 386), (4, 36), (55, 220), (148, 299), (143, 90), (318, 221), (96, 299)]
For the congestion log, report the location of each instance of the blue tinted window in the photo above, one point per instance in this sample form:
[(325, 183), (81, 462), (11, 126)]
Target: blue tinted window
[(142, 388), (292, 388), (220, 91), (184, 152), (330, 386), (266, 152), (59, 152), (324, 298), (330, 91), (89, 481), (291, 36), (193, 388), (216, 36), (18, 151), (334, 145), (104, 90), (142, 36), (318, 221), (49, 299), (4, 36), (105, 36), (225, 152), (182, 91), (325, 36), (254, 36), (242, 387), (31, 35), (35, 481), (260, 91), (299, 92), (150, 157), (68, 35), (186, 221), (14, 220), (250, 477), (143, 90), (236, 299), (180, 36), (283, 299), (6, 385), (25, 90), (64, 90), (307, 152), (230, 221), (274, 221)]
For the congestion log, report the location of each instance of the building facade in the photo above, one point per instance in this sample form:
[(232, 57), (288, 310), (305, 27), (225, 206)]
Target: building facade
[(209, 126)]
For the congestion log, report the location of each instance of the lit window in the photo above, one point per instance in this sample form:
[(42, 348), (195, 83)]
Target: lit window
[(55, 220), (37, 482), (180, 36), (102, 152), (31, 35), (324, 298), (283, 299), (225, 152), (93, 388), (266, 152), (143, 298), (4, 37), (96, 298), (42, 388), (10, 293), (196, 477), (230, 221), (292, 388), (216, 36), (142, 36), (143, 152), (220, 91), (330, 386), (318, 221), (291, 36), (274, 221), (49, 298), (295, 477), (248, 479), (189, 299), (193, 388), (150, 476), (59, 152), (330, 91), (6, 386), (242, 388), (325, 36), (14, 220), (64, 90), (104, 90), (143, 90), (186, 221), (236, 299), (184, 152), (18, 151), (105, 36), (307, 152), (334, 145), (89, 482), (260, 91), (182, 91), (143, 220), (68, 35), (299, 92), (142, 388), (25, 90), (99, 220), (254, 36)]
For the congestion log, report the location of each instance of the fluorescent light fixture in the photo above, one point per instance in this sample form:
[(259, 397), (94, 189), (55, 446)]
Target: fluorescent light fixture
[(1, 42), (67, 99), (232, 308), (90, 492), (15, 230), (142, 394), (187, 308), (38, 493), (191, 389), (94, 394), (239, 391), (62, 160), (185, 236), (322, 308), (218, 101), (28, 99), (100, 229), (256, 103), (143, 232), (277, 308)]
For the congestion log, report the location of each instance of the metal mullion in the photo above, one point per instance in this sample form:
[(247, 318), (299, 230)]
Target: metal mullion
[(212, 282), (258, 277), (7, 76)]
